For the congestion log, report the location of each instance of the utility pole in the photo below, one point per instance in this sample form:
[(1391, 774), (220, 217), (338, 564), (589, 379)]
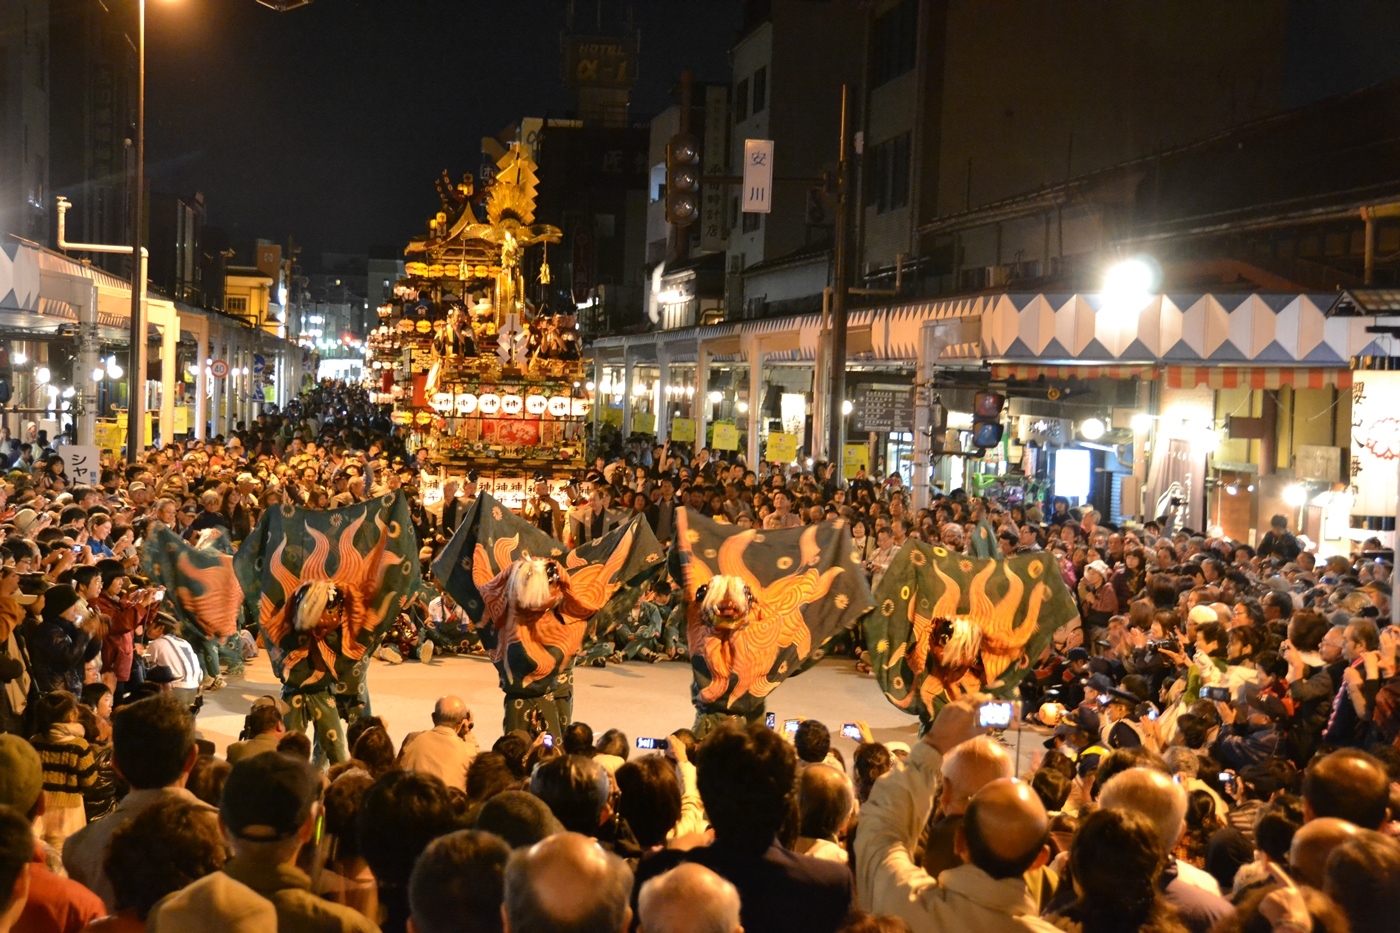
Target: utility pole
[(135, 376), (836, 445)]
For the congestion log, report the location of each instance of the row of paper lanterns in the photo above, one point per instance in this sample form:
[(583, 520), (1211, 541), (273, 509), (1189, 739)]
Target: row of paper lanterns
[(489, 403)]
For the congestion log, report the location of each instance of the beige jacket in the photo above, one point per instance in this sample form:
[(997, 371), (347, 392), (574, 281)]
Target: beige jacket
[(890, 881)]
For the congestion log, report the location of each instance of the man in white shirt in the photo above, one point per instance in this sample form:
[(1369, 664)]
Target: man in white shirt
[(448, 748), (1003, 836), (166, 649)]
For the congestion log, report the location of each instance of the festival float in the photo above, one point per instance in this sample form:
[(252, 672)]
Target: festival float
[(489, 382)]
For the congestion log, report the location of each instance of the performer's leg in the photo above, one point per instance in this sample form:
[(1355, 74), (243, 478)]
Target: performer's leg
[(330, 732)]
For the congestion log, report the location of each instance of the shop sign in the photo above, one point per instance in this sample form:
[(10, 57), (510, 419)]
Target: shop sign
[(782, 448), (644, 422)]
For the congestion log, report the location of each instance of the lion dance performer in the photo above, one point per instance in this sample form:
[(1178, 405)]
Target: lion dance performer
[(201, 588), (535, 603), (325, 587), (761, 607), (946, 625)]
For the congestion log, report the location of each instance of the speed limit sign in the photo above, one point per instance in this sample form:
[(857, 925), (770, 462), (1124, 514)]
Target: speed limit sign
[(218, 369)]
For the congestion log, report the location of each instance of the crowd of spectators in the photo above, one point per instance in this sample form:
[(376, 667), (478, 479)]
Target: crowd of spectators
[(1219, 729)]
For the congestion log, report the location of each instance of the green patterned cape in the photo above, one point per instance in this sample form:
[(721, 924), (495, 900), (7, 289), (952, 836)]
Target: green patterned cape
[(605, 574), (368, 551), (807, 587), (945, 624), (202, 590)]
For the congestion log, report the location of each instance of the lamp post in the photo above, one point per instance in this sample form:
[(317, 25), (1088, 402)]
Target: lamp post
[(134, 376)]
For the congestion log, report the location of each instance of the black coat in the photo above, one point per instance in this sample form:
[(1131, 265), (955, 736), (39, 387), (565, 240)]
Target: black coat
[(58, 650)]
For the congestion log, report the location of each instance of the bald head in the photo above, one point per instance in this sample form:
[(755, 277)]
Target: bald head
[(971, 766), (566, 881), (449, 711), (689, 899), (1005, 829), (1152, 794), (1312, 844)]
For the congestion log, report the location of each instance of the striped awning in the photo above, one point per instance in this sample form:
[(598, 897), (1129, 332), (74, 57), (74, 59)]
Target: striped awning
[(1002, 371), (1257, 377)]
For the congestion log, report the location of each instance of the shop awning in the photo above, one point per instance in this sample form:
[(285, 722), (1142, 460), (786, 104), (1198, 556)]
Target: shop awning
[(1257, 377), (1028, 372)]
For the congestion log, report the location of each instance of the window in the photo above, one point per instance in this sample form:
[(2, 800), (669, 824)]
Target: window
[(760, 89), (237, 304), (896, 41), (889, 174), (751, 222), (741, 101)]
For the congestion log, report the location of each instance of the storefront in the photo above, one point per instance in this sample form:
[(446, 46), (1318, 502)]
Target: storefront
[(1218, 409)]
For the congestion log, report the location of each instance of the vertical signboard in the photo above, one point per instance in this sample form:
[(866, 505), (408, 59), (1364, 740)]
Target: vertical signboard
[(83, 465), (714, 233), (1375, 442), (758, 176)]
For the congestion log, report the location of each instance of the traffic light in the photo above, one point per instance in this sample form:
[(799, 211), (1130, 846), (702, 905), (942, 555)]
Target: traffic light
[(986, 419), (682, 180)]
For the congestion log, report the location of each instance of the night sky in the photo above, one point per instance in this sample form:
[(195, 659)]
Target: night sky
[(329, 123)]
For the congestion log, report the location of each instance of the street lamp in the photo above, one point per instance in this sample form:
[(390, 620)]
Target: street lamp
[(1093, 428), (1127, 285)]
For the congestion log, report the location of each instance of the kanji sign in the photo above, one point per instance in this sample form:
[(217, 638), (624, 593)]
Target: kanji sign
[(82, 464), (714, 233), (758, 176), (882, 409)]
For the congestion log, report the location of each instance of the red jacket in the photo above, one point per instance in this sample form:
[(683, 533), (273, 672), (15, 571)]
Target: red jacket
[(118, 646), (56, 905)]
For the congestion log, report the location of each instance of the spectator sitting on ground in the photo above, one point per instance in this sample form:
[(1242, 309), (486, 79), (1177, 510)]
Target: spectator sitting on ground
[(54, 902), (567, 882), (1350, 785), (16, 852), (448, 748), (688, 899), (579, 793), (1152, 794), (170, 844), (265, 728), (153, 749), (1004, 834), (1363, 877), (747, 780), (968, 768), (270, 809), (399, 816), (825, 806), (458, 884)]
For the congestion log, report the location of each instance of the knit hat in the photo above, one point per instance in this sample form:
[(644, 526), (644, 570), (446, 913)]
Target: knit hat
[(24, 520), (1202, 614), (213, 904), (519, 818), (21, 773), (58, 600)]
